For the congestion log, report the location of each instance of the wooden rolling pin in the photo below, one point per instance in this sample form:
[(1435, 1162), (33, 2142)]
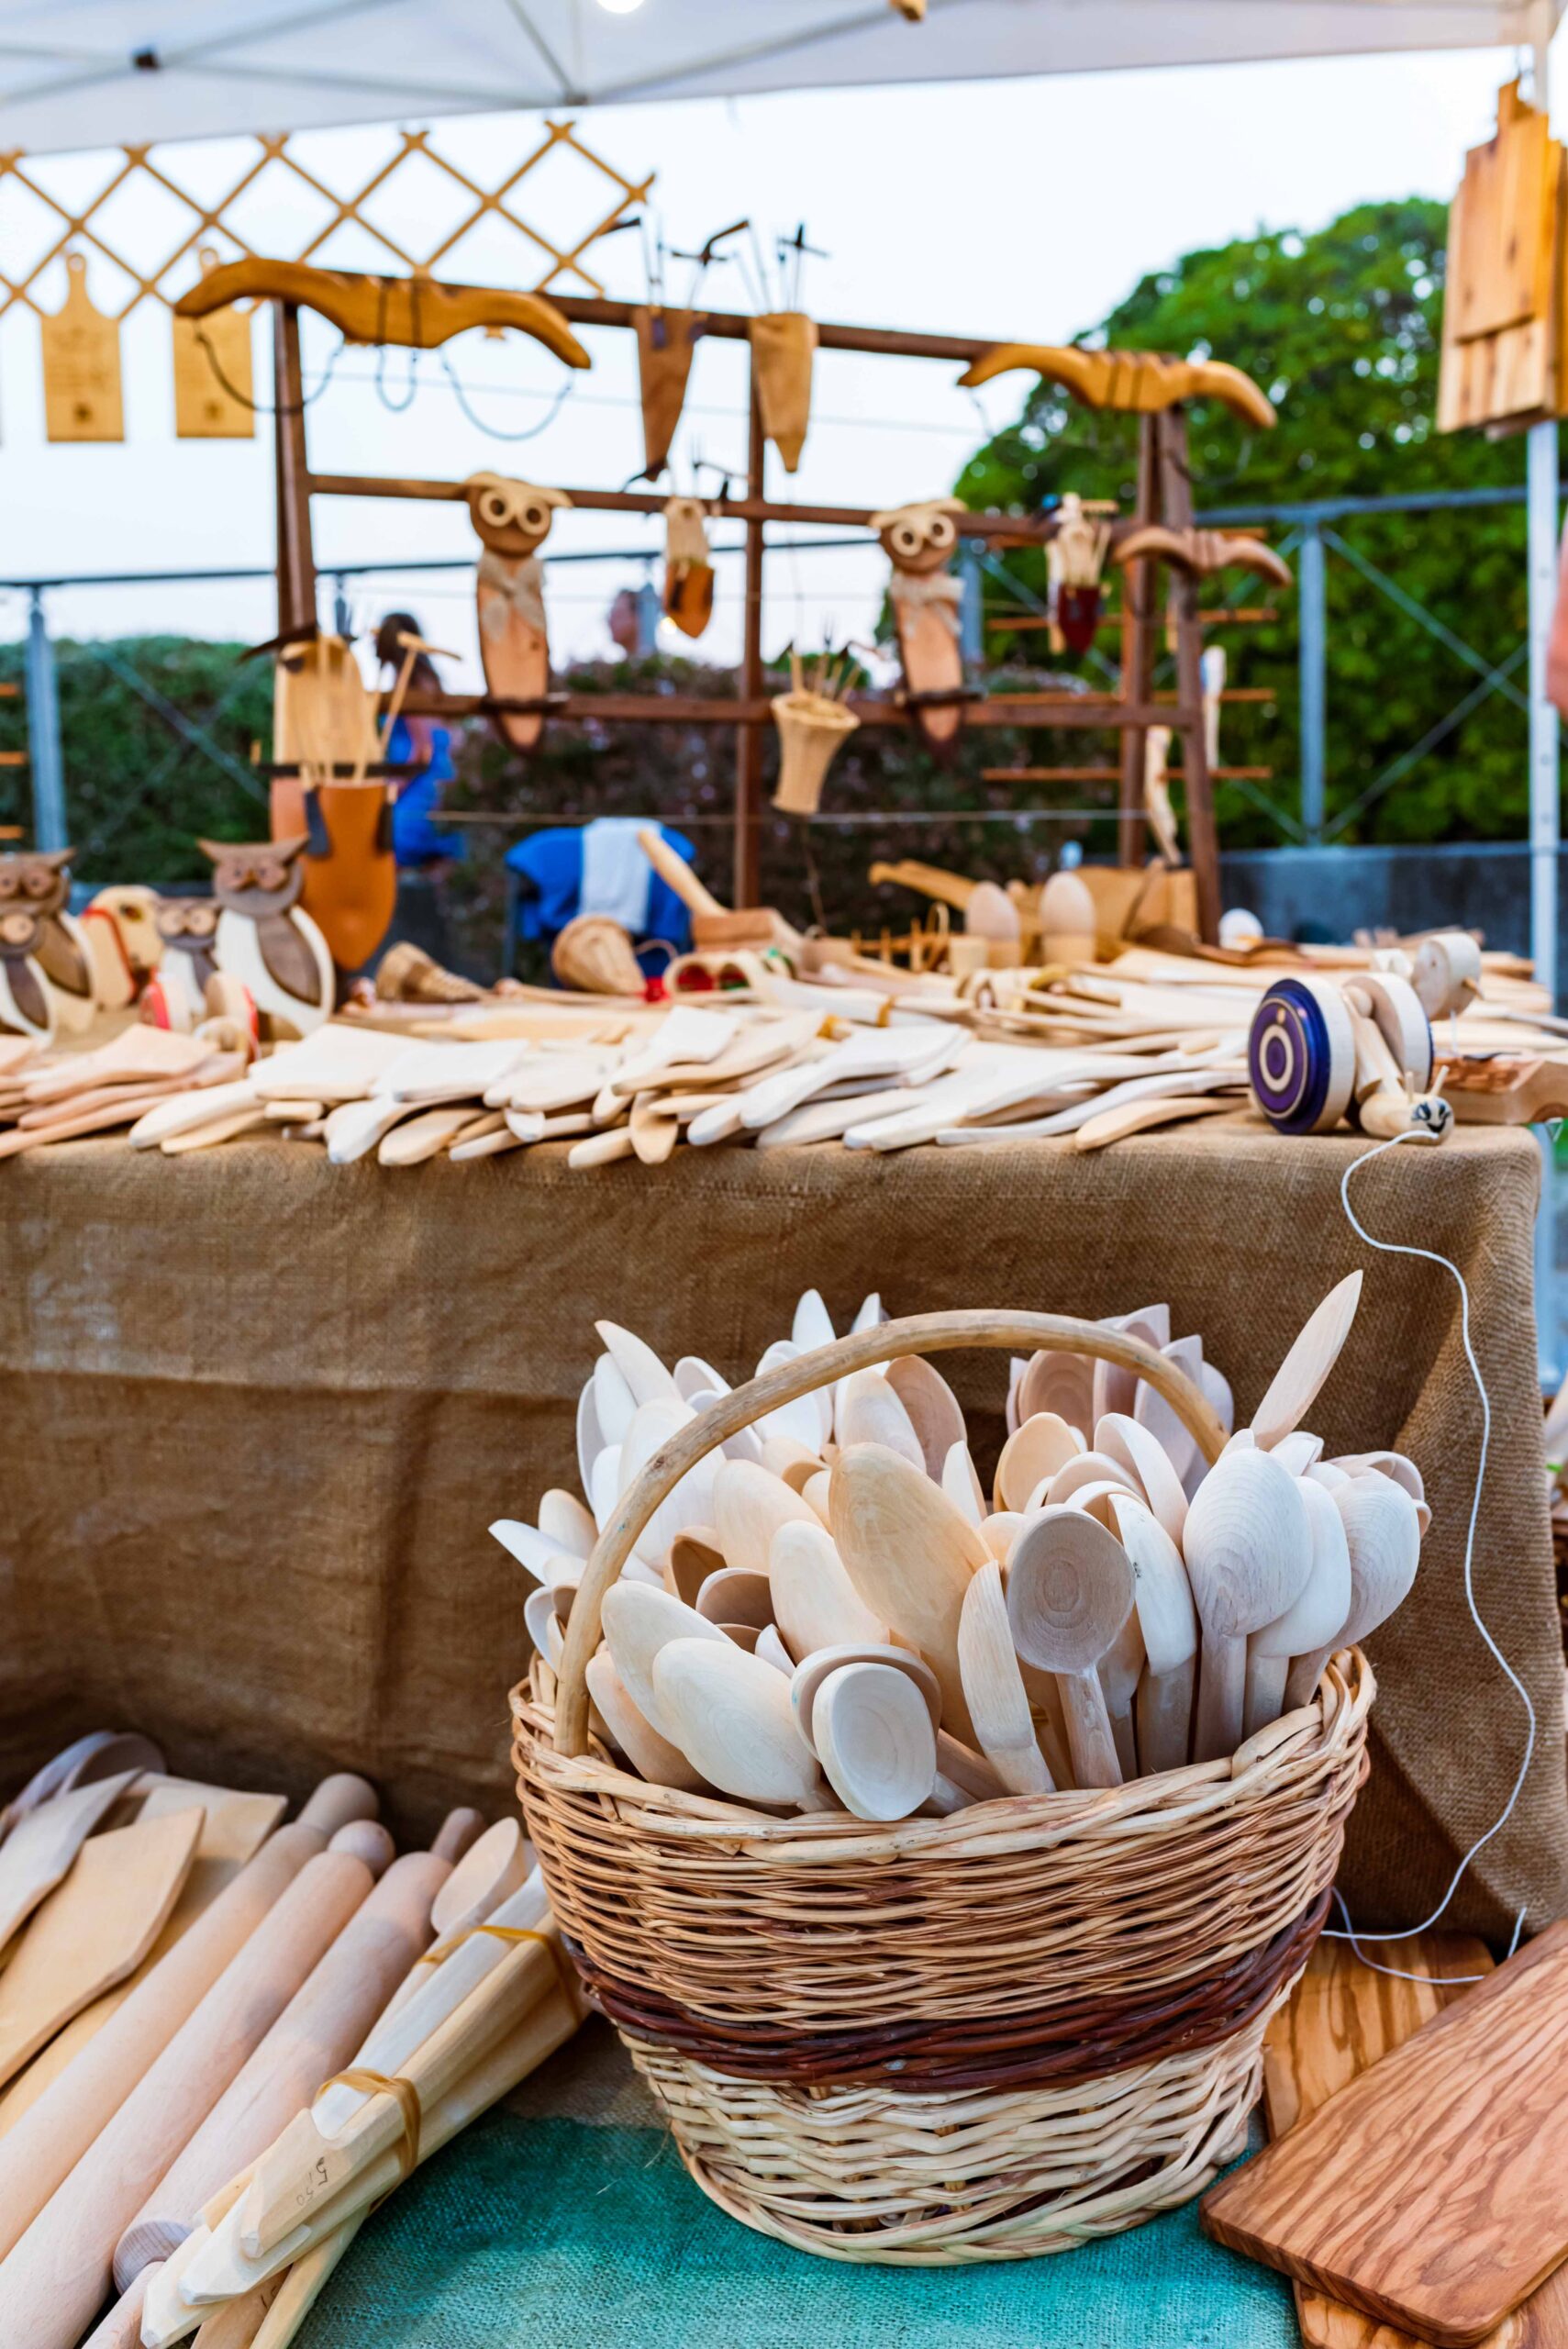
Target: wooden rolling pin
[(315, 2036), (46, 2143), (57, 2278)]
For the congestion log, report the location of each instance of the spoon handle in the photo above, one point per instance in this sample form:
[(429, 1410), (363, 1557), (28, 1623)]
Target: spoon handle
[(1089, 1735), (1221, 1700), (1306, 1672), (1164, 1717), (1122, 1732), (1265, 1689)]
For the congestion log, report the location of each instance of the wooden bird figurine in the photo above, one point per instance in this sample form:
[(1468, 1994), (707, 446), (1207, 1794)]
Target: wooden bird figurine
[(39, 880), (513, 519), (27, 1003), (176, 995), (264, 938), (919, 541)]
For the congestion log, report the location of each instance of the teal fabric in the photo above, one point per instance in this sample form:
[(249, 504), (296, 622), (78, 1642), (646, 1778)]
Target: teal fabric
[(553, 2234)]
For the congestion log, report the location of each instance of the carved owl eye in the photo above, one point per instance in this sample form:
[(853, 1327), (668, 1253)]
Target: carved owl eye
[(941, 530), (201, 921), (233, 874), (534, 518), (269, 873), (37, 880), (17, 930), (10, 882), (907, 538), (496, 507)]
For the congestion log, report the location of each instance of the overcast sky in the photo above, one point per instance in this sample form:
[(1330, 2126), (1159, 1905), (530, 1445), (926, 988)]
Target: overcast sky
[(1014, 211)]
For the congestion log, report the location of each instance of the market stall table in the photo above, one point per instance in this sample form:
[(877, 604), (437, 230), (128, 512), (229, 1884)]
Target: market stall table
[(261, 1410)]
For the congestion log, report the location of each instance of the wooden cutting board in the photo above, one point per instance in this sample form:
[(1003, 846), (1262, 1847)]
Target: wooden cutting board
[(1432, 2192), (94, 1930)]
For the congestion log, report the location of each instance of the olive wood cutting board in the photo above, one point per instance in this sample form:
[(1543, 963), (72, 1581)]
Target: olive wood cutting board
[(1431, 2193), (1343, 2015)]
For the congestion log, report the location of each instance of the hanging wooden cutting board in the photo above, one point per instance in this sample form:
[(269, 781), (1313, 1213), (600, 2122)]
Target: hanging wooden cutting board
[(80, 365), (94, 1930), (215, 392), (1432, 2192), (1504, 252)]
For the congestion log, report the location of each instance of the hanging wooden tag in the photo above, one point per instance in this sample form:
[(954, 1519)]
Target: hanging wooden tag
[(665, 342), (214, 383), (782, 344), (688, 571), (80, 365)]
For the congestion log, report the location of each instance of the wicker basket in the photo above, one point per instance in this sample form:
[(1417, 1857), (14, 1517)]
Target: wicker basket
[(984, 2036)]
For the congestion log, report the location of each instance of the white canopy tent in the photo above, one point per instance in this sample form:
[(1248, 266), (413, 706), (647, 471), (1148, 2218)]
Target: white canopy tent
[(80, 73), (83, 73)]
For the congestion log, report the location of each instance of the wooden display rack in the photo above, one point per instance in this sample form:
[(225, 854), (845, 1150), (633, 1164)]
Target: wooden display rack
[(1131, 381)]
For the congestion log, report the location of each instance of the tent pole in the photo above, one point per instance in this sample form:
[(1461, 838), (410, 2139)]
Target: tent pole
[(1541, 509), (747, 739)]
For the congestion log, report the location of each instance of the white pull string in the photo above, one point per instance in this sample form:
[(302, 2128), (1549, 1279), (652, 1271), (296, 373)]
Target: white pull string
[(1431, 1256)]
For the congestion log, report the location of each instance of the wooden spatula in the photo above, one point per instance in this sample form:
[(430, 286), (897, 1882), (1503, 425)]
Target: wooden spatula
[(38, 1853), (94, 1930)]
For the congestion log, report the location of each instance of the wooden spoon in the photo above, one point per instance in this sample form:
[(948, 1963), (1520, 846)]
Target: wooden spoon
[(868, 1412), (875, 1740), (614, 1402), (809, 1675), (1115, 1389), (1295, 1385), (1061, 1383), (910, 1555), (640, 1366), (994, 1687), (1120, 1675), (637, 1623), (1384, 1463), (694, 1555), (815, 1603), (1152, 1410), (489, 1872), (961, 1485), (1383, 1536), (1070, 1591), (817, 1495), (736, 1595), (651, 1756), (1089, 1468), (792, 1463), (731, 1716), (1119, 1437), (1247, 1546), (1163, 1600), (1315, 1620), (749, 1507), (1041, 1448), (772, 1649), (932, 1407), (1000, 1530), (1298, 1452), (566, 1524)]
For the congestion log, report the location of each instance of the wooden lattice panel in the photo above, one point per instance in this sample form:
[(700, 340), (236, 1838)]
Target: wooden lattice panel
[(83, 227)]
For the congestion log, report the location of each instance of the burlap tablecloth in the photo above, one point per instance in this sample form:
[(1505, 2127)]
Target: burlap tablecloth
[(258, 1412)]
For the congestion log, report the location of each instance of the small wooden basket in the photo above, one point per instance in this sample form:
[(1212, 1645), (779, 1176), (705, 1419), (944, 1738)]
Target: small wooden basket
[(811, 728), (985, 2036)]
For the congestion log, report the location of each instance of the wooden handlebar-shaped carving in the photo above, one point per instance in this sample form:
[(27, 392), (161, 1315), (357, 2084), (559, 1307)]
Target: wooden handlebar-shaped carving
[(417, 312), (1140, 382), (921, 1333), (1202, 553)]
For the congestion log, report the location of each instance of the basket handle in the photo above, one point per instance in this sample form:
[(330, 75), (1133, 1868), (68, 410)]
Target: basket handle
[(920, 1333)]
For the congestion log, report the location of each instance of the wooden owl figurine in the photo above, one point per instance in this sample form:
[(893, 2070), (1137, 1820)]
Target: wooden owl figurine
[(264, 938), (187, 930), (38, 880), (919, 541), (512, 518), (27, 1002)]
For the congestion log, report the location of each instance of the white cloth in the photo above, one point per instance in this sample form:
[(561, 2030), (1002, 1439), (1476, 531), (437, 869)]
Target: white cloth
[(616, 874)]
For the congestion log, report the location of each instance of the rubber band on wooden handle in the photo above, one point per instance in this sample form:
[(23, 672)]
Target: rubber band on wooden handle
[(564, 1975), (404, 2094), (919, 1334)]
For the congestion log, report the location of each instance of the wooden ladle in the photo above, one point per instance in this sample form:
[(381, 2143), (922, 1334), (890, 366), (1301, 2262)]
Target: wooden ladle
[(1248, 1545), (1069, 1590)]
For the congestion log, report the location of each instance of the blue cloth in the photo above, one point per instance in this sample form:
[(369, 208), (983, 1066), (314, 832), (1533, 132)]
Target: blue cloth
[(584, 2237), (551, 861), (416, 840)]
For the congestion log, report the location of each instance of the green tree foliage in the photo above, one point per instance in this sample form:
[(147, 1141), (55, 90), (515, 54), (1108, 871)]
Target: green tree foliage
[(1343, 328)]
